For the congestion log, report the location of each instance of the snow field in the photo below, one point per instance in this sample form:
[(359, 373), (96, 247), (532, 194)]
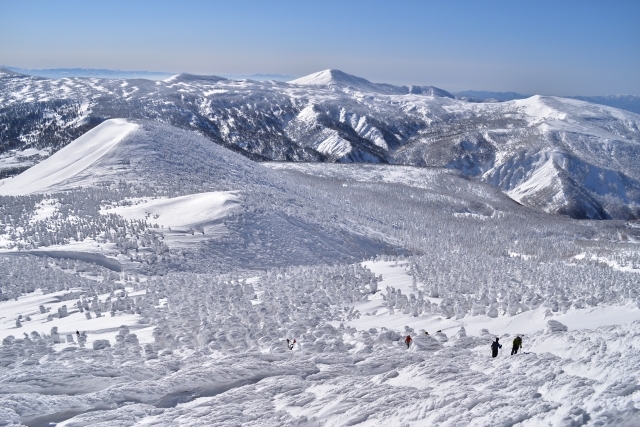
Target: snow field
[(218, 356), (68, 308)]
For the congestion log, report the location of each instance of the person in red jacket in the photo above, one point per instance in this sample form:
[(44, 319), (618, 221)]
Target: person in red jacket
[(408, 340)]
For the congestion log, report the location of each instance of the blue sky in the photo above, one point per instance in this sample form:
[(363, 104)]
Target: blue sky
[(561, 47)]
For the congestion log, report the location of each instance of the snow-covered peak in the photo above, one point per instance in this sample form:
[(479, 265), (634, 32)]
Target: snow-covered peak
[(332, 77), (539, 108), (339, 79)]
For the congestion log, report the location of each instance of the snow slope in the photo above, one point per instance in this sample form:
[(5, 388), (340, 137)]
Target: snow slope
[(70, 160), (183, 220), (189, 184), (194, 210)]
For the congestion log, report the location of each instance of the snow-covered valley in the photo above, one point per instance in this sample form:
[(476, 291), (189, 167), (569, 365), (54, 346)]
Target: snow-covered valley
[(150, 277)]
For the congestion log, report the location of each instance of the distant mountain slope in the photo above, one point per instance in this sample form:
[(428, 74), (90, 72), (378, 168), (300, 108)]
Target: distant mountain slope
[(624, 102), (483, 95), (556, 154), (99, 73)]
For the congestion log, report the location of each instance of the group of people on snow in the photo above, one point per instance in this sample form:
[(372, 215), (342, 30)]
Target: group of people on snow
[(495, 345)]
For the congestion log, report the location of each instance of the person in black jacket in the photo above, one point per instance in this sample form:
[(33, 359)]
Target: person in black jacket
[(517, 344), (495, 346)]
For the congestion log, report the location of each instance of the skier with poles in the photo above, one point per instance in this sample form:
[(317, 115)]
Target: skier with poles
[(495, 346), (290, 343)]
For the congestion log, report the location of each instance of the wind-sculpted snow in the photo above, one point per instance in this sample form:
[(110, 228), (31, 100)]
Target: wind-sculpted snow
[(218, 356), (555, 154)]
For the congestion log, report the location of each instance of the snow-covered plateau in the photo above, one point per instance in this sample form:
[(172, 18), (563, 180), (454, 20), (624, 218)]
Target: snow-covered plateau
[(151, 276)]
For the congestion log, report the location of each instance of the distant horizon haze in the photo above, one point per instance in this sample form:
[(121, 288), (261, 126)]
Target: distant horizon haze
[(546, 48)]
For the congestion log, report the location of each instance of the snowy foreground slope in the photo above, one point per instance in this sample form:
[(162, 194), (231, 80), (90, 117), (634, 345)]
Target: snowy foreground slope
[(184, 267), (554, 154)]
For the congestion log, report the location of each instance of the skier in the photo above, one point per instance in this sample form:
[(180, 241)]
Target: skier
[(517, 344), (408, 340), (290, 343), (78, 333), (495, 346)]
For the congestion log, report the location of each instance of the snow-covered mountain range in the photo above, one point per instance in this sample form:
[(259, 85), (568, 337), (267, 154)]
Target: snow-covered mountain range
[(100, 73), (59, 73), (555, 154)]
